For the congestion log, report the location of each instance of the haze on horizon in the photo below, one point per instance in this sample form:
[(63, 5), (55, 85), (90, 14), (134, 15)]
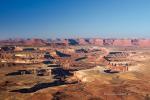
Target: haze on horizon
[(74, 18)]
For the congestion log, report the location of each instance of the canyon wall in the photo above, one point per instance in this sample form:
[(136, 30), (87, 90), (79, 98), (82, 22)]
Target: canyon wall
[(80, 41)]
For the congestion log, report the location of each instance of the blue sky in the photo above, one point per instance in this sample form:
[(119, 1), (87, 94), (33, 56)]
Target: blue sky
[(74, 18)]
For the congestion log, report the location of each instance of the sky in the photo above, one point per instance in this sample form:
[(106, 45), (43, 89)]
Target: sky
[(74, 18)]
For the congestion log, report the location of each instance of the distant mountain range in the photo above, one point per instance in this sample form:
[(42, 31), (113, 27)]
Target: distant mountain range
[(79, 41)]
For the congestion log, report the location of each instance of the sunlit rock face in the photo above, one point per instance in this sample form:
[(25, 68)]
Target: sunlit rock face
[(34, 42), (96, 41), (122, 42), (144, 42), (91, 41), (82, 41), (99, 42), (65, 41), (108, 42)]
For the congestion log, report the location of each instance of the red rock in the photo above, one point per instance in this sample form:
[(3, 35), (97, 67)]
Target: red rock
[(135, 42), (96, 41), (122, 42), (34, 42), (144, 42), (108, 42), (82, 41)]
